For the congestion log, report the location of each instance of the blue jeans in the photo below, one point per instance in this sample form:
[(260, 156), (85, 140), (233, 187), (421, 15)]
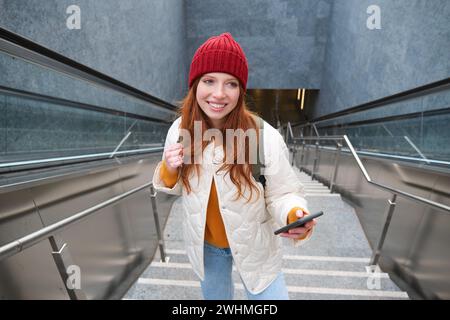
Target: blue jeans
[(218, 283)]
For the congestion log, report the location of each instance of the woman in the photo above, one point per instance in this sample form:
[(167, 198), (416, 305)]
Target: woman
[(228, 215)]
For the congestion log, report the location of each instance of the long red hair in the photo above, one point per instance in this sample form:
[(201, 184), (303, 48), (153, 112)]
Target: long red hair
[(239, 118)]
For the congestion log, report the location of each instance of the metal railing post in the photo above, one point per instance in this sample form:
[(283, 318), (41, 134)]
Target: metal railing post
[(287, 134), (315, 129), (336, 165), (302, 157), (158, 228), (316, 158), (294, 151), (389, 212), (63, 262)]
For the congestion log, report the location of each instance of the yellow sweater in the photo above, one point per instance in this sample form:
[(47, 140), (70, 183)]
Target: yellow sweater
[(215, 230)]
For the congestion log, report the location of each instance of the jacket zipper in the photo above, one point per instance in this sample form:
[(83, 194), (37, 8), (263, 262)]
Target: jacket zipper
[(224, 224), (204, 226)]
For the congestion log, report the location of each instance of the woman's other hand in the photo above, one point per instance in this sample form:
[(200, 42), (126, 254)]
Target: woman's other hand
[(173, 157)]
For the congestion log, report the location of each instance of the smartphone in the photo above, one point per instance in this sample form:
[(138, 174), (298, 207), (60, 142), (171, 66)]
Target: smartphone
[(299, 223)]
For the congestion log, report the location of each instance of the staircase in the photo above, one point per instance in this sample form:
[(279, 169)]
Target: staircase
[(331, 265), (313, 187)]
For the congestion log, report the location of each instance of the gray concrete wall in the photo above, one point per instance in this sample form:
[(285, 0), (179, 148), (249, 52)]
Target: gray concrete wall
[(411, 49), (139, 42), (284, 40), (320, 44)]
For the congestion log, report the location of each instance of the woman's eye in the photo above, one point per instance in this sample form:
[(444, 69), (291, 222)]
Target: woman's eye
[(209, 81)]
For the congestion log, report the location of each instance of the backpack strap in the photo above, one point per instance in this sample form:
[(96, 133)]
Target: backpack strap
[(260, 163)]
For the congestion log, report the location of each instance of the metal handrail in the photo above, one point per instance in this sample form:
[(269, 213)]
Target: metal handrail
[(31, 239), (13, 92), (289, 126), (369, 179), (391, 202), (384, 155), (321, 138), (404, 95), (106, 155)]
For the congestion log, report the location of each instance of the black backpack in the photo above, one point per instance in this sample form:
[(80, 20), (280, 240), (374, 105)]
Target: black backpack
[(260, 163)]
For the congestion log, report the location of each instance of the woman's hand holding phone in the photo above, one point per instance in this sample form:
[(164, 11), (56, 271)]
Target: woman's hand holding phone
[(299, 232)]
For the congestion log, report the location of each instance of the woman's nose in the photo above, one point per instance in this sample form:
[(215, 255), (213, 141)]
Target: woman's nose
[(219, 92)]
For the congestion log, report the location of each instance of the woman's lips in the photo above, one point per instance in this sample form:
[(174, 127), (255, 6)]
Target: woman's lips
[(217, 107)]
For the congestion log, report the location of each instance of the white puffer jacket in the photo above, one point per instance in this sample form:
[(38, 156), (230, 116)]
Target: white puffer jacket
[(249, 226)]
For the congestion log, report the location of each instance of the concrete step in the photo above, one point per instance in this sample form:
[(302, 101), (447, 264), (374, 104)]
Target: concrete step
[(321, 192), (335, 279), (316, 186), (309, 182), (307, 277), (184, 284), (317, 275), (317, 193), (161, 289), (293, 261)]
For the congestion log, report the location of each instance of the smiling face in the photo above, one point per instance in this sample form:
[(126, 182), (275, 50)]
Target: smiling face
[(217, 95)]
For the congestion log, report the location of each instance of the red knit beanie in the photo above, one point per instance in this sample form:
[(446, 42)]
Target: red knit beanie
[(220, 54)]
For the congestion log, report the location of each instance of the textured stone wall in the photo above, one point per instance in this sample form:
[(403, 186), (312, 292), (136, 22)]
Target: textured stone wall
[(284, 40), (411, 49), (139, 42)]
